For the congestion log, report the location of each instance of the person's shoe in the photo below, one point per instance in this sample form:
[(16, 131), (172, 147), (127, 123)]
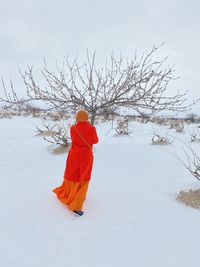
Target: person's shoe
[(78, 212)]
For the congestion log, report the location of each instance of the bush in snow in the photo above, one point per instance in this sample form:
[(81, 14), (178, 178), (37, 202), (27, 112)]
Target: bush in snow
[(57, 135), (161, 121), (195, 136), (157, 139), (192, 117), (190, 198), (192, 162), (46, 130), (179, 126), (5, 115), (123, 126)]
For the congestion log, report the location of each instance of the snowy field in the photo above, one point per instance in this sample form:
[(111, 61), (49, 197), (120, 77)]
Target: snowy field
[(131, 215)]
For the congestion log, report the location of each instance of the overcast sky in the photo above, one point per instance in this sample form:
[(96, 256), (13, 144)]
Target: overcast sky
[(33, 29)]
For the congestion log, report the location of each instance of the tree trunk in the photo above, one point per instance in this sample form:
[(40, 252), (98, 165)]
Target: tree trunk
[(93, 117)]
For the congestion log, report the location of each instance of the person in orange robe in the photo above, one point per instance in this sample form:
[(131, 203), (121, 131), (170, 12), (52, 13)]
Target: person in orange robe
[(79, 164)]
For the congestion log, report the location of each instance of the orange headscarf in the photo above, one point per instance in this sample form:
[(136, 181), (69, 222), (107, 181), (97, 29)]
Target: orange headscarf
[(82, 116)]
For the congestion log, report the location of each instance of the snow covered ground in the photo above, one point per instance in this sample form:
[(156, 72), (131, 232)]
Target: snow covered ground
[(131, 216)]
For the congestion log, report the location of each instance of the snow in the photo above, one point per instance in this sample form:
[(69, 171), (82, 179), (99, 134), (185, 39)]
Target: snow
[(131, 215)]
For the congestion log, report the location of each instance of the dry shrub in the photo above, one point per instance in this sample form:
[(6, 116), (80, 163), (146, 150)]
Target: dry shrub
[(47, 130), (123, 126), (195, 136), (5, 115), (57, 136), (60, 149), (46, 133), (161, 121), (190, 198), (157, 139), (179, 126)]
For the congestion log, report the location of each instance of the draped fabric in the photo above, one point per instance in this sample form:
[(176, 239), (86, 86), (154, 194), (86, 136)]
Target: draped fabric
[(72, 194), (80, 157), (79, 165)]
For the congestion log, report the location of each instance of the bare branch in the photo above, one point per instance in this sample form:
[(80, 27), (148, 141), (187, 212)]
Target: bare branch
[(139, 83)]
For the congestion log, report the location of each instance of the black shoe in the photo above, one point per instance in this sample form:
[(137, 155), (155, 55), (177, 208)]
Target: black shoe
[(78, 212)]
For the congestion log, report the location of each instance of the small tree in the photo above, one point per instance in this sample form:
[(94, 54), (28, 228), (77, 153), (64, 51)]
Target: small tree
[(139, 83)]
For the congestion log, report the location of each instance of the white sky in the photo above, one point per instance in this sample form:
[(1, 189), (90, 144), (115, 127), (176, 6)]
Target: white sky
[(31, 30)]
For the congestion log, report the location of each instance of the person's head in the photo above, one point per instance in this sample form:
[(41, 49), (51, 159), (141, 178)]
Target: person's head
[(82, 116)]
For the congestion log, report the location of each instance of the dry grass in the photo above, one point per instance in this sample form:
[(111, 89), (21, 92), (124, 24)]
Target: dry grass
[(60, 149), (46, 133), (190, 198)]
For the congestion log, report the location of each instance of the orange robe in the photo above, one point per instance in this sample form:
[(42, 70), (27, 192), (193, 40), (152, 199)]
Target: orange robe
[(79, 164)]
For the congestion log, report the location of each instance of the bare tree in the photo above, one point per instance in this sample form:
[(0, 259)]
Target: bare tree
[(139, 83)]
